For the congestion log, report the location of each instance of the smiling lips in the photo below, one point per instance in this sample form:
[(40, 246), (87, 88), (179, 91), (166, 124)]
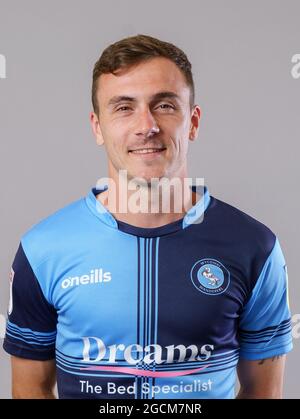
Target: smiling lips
[(147, 150)]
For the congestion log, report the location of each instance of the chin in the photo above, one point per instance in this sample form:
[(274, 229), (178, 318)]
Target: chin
[(155, 174)]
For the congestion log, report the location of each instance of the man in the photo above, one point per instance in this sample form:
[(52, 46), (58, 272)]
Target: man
[(148, 304)]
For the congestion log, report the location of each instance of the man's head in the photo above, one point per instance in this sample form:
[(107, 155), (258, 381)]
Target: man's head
[(143, 98)]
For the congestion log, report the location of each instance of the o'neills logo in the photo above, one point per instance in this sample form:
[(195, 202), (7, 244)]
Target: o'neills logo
[(136, 354), (96, 276)]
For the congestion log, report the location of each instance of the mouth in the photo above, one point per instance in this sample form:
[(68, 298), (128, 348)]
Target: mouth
[(147, 151)]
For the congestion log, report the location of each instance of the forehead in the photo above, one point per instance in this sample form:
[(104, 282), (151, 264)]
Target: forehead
[(145, 78)]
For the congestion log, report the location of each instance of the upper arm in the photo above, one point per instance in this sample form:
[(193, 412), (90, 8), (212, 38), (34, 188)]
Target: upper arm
[(32, 379), (261, 378), (265, 331), (30, 331), (32, 320), (265, 320)]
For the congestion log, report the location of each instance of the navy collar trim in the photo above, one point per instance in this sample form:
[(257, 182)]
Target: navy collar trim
[(193, 216)]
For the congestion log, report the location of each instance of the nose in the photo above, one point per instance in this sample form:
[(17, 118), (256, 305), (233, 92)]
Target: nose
[(146, 124)]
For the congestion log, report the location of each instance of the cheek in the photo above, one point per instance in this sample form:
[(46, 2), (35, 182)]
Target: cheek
[(180, 143), (183, 136), (178, 128), (115, 138), (117, 149)]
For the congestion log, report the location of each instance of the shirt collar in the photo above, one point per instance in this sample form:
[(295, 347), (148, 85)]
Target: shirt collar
[(193, 216)]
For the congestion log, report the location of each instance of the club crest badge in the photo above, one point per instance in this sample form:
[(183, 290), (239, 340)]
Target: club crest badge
[(210, 276)]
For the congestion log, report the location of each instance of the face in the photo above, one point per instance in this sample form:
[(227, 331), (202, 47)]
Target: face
[(145, 121)]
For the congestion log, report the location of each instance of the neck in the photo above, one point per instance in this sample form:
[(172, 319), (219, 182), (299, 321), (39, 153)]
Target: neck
[(148, 205)]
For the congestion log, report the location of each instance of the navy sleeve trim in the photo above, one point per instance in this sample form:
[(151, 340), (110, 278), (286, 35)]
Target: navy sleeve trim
[(24, 352)]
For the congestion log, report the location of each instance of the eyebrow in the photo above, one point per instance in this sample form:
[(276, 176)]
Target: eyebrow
[(157, 96)]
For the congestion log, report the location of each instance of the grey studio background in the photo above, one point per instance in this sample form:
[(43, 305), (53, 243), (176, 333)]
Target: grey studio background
[(246, 84)]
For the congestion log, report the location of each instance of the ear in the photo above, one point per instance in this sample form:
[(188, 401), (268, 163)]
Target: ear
[(96, 128), (195, 119)]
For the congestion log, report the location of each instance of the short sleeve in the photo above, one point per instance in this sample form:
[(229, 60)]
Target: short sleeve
[(31, 322), (265, 321)]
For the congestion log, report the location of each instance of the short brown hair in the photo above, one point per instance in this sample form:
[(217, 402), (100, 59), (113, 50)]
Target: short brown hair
[(135, 49)]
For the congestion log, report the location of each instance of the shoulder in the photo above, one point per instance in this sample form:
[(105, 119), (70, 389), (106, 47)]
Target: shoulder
[(240, 226), (53, 232), (242, 237)]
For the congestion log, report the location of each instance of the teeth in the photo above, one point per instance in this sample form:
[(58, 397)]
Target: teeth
[(147, 150)]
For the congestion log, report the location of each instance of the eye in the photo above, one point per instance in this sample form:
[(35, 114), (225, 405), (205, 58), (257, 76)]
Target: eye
[(122, 108), (166, 106)]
